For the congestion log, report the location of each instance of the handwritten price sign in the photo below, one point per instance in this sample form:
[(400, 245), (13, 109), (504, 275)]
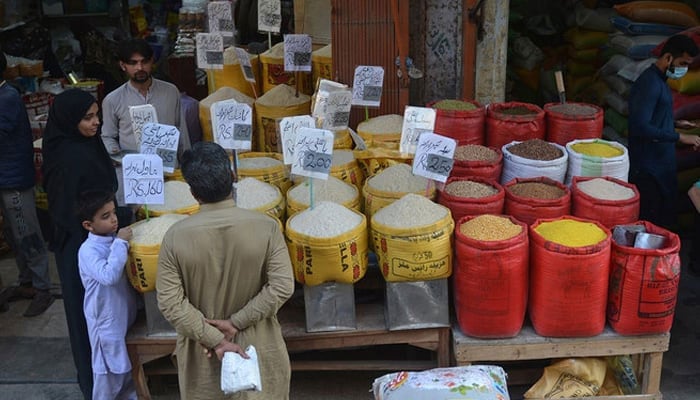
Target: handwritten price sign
[(162, 140), (367, 86), (333, 108), (246, 66), (297, 53), (313, 153), (232, 123), (210, 50), (434, 157), (288, 128), (416, 121), (140, 116), (269, 15), (143, 179), (221, 18)]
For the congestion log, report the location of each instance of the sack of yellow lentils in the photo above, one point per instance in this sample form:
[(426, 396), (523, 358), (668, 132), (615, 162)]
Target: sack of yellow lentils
[(597, 157)]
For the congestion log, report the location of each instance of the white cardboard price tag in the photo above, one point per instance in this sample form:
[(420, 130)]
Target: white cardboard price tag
[(232, 124), (297, 53), (288, 128), (269, 15), (143, 179), (313, 153), (221, 18), (246, 66), (416, 120), (434, 156), (140, 116), (367, 86), (162, 140), (210, 50)]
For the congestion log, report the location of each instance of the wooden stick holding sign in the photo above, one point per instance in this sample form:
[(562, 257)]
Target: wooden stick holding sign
[(313, 155), (416, 121), (269, 18), (161, 140), (143, 179)]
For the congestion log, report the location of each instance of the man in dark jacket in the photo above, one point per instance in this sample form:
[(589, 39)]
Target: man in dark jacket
[(20, 221)]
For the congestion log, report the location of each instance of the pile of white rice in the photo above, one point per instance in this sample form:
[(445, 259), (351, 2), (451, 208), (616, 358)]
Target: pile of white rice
[(325, 220), (410, 211), (342, 157), (252, 194), (605, 190), (282, 95), (383, 124), (177, 195), (258, 163), (151, 232), (333, 190), (398, 178)]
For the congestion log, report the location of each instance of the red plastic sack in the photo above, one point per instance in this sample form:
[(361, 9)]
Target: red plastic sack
[(528, 209), (644, 286), (685, 106), (491, 283), (568, 285), (463, 206), (485, 169), (693, 33), (607, 212), (503, 128), (464, 126), (563, 128)]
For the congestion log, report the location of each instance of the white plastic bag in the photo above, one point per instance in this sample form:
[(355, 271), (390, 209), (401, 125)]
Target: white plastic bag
[(239, 374), (584, 165), (520, 167)]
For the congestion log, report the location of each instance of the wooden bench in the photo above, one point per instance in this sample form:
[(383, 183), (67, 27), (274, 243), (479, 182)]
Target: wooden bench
[(371, 331), (647, 352)]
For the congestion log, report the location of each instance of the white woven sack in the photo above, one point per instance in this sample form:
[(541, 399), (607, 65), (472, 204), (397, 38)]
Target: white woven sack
[(239, 374), (520, 167), (584, 165)]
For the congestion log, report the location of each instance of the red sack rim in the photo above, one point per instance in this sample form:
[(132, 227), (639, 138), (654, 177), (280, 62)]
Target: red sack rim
[(674, 247), (518, 239), (495, 111), (596, 115), (477, 112), (537, 202), (478, 179), (556, 247), (576, 192), (477, 164)]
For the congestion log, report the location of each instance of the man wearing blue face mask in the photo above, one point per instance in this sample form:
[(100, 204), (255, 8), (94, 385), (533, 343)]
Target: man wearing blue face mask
[(652, 134)]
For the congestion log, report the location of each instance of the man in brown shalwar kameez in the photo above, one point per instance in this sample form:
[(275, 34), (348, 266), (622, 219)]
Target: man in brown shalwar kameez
[(223, 274)]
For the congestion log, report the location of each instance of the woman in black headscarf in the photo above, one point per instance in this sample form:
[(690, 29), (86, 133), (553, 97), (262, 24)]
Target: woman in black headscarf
[(74, 160)]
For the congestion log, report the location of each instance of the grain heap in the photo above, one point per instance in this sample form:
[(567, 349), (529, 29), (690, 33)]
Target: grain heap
[(398, 178), (325, 220), (231, 57), (571, 233), (177, 195), (411, 210), (470, 189), (536, 149), (342, 157), (474, 152), (536, 190), (490, 228), (258, 163), (454, 105), (604, 189), (331, 190), (282, 96), (597, 149), (573, 109), (383, 124), (517, 110), (252, 194), (151, 232)]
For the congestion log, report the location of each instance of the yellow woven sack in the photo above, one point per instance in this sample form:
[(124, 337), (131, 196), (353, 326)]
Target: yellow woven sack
[(374, 161), (376, 198), (176, 175), (232, 75), (322, 64), (223, 93), (273, 73), (338, 259), (342, 140), (571, 377), (266, 118), (276, 175), (414, 254), (350, 173), (142, 266), (141, 214), (384, 138), (294, 206)]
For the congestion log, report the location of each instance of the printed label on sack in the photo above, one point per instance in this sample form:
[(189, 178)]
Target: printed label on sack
[(658, 296), (419, 269)]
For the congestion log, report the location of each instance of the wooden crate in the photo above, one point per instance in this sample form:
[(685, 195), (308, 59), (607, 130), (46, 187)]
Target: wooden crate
[(647, 352)]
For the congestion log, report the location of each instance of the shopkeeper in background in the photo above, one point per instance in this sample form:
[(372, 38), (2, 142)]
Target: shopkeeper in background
[(223, 274), (136, 60), (652, 135)]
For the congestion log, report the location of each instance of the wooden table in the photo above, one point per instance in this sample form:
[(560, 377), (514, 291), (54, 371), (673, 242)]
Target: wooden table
[(647, 351), (371, 331)]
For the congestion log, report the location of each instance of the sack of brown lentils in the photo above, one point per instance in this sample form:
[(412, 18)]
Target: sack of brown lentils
[(528, 199), (533, 158), (473, 160), (472, 196)]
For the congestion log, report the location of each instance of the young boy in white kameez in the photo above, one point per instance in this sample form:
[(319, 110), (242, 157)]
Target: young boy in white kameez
[(110, 303)]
